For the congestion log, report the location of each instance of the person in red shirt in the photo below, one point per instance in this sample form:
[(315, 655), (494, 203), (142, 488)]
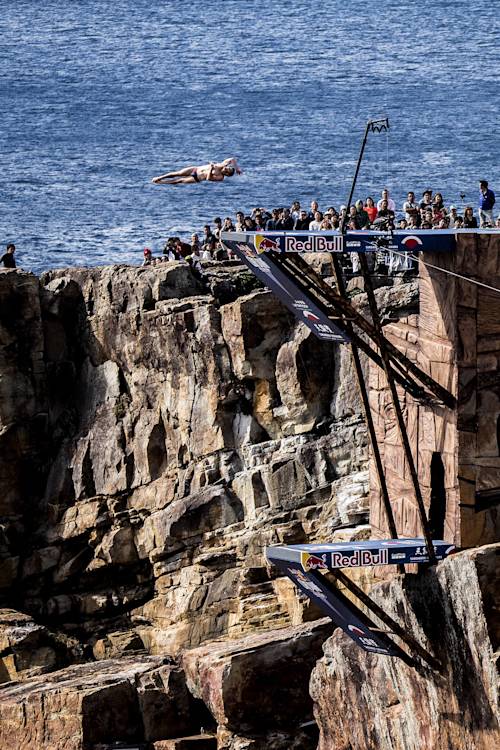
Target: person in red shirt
[(371, 209)]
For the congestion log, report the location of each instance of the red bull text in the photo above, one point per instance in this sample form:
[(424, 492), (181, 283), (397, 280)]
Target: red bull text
[(360, 558), (314, 244)]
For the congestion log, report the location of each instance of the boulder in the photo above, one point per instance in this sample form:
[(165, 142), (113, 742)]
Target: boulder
[(257, 684), (127, 700)]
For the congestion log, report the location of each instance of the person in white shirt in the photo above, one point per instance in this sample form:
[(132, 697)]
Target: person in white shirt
[(410, 207), (295, 210), (453, 217), (385, 197), (315, 225)]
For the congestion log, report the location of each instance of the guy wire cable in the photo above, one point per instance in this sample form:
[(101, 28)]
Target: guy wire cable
[(451, 273)]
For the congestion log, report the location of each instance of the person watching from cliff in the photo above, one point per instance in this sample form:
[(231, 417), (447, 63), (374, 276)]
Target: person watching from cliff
[(312, 212), (148, 257), (212, 172), (426, 201), (272, 224), (410, 207), (207, 234), (295, 210), (353, 216), (438, 213), (208, 248), (260, 222), (302, 223), (315, 225), (453, 216), (217, 222), (227, 225), (195, 245), (371, 209), (362, 218), (444, 223), (385, 216), (285, 221), (385, 197), (240, 221), (8, 259), (470, 221), (486, 203), (183, 249)]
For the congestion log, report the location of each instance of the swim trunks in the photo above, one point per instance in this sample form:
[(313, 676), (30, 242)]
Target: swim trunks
[(194, 174)]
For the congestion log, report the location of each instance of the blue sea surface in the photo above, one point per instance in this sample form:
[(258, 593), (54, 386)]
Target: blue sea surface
[(97, 97)]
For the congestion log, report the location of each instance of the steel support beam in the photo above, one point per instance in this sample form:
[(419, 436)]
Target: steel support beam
[(397, 409), (296, 265), (339, 279), (393, 626)]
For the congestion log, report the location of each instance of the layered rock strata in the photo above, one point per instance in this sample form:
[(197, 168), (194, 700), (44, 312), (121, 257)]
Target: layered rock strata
[(158, 432)]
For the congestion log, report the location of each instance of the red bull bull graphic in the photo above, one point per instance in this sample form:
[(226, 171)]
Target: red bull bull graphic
[(263, 244), (313, 562)]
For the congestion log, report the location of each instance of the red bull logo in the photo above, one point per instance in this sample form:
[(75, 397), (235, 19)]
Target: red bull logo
[(310, 316), (313, 562), (265, 244)]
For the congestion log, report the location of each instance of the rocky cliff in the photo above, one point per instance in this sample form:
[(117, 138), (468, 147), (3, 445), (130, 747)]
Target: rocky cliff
[(157, 431)]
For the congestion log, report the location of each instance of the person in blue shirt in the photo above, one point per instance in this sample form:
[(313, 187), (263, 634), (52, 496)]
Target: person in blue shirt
[(486, 203)]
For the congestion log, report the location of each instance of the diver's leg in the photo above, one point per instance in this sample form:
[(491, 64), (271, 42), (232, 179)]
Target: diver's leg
[(186, 172), (180, 180)]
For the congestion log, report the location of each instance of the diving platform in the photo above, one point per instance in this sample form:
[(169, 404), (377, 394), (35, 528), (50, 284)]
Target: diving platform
[(307, 565), (358, 554), (413, 386)]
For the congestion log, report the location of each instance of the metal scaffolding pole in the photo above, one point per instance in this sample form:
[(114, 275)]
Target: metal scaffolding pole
[(398, 411), (368, 413)]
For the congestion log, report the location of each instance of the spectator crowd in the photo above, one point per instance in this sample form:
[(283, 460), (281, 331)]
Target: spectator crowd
[(430, 212)]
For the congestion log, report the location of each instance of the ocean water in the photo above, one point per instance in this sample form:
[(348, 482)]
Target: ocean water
[(97, 97)]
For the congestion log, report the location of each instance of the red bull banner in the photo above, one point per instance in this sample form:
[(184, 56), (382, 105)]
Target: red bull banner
[(262, 265), (362, 554), (362, 241), (341, 610)]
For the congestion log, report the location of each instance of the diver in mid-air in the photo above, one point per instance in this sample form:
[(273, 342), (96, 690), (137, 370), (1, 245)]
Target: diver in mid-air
[(213, 172)]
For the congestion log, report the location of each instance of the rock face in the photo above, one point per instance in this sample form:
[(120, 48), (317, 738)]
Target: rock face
[(455, 338), (255, 685), (364, 701), (171, 429), (179, 436), (156, 433)]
